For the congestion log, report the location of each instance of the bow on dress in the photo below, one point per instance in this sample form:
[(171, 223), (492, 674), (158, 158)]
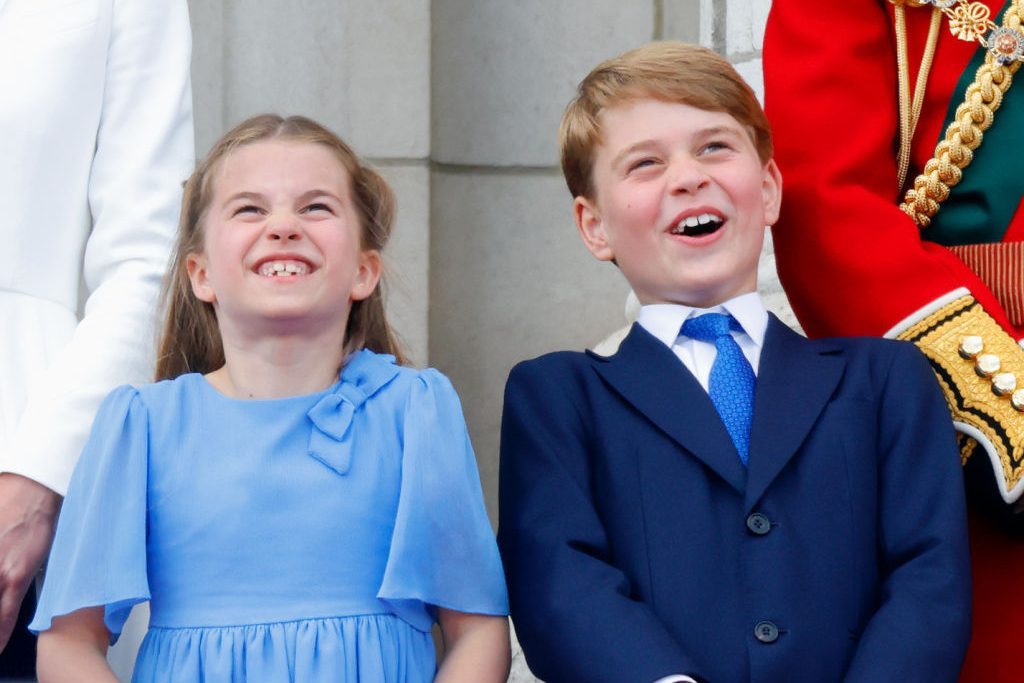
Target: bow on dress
[(330, 440)]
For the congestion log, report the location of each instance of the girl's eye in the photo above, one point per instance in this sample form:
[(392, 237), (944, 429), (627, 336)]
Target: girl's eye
[(319, 206), (715, 146), (248, 208)]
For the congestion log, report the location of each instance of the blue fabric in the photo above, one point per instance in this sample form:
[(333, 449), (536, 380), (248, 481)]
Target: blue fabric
[(731, 382), (299, 539)]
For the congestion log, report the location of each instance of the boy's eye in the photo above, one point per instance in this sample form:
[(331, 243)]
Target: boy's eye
[(642, 163), (715, 146)]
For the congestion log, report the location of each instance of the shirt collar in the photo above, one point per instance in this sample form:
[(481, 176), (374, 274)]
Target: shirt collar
[(664, 320)]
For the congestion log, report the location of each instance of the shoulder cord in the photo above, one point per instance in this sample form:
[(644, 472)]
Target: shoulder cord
[(969, 21), (910, 112)]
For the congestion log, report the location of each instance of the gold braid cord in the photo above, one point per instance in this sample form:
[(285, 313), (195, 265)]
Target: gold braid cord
[(910, 110), (954, 153), (967, 446), (977, 365)]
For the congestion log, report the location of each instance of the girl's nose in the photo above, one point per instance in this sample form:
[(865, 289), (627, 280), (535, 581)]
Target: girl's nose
[(283, 228)]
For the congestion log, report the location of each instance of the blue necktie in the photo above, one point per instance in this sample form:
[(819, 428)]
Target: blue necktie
[(731, 383)]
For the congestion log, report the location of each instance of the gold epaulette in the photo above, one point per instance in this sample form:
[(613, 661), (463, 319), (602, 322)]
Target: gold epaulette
[(981, 371), (1004, 52)]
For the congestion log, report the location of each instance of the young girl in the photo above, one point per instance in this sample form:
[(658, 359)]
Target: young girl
[(284, 523)]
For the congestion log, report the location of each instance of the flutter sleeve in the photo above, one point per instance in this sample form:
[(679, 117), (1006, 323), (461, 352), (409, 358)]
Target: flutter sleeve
[(443, 552), (99, 551)]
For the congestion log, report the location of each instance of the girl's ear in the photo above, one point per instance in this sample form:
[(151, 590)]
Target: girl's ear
[(367, 275), (195, 264), (592, 228)]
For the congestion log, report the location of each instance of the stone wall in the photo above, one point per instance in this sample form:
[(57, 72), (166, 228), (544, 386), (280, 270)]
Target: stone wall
[(458, 102)]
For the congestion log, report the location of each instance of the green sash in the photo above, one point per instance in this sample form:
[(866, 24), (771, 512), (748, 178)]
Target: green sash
[(979, 209)]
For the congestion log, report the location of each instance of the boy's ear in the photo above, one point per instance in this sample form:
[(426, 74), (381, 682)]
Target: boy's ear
[(592, 229), (368, 274), (195, 264), (771, 187)]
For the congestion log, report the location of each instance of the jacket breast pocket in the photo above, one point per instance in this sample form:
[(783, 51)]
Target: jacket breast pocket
[(859, 446), (833, 492)]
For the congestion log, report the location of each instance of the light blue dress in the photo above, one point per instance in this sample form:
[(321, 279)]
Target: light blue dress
[(296, 539)]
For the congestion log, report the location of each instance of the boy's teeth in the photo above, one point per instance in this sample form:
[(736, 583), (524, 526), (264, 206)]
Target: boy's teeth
[(283, 268), (686, 225)]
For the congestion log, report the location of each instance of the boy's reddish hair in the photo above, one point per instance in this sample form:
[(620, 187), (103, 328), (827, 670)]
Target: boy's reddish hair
[(668, 71)]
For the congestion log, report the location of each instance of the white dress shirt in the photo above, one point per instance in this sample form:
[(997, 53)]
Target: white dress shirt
[(95, 141), (664, 321)]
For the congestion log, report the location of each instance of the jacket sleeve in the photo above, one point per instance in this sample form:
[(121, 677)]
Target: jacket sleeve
[(571, 606), (851, 261), (832, 98), (144, 151), (921, 627)]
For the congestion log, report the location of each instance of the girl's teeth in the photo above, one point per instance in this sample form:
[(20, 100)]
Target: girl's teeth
[(283, 268)]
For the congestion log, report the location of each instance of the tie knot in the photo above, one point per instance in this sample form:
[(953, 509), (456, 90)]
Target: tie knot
[(709, 326)]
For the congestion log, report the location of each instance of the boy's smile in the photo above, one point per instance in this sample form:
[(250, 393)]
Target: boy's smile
[(681, 201), (701, 224)]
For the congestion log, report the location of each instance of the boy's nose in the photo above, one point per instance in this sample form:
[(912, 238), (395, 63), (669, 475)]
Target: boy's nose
[(687, 175)]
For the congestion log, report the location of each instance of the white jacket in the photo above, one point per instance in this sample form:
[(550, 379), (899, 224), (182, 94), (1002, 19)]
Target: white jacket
[(95, 142)]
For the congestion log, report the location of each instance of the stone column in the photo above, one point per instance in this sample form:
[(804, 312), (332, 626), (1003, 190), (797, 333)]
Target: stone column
[(360, 67), (510, 278)]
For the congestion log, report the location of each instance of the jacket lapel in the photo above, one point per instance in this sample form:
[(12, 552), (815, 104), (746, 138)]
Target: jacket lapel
[(795, 380), (649, 376)]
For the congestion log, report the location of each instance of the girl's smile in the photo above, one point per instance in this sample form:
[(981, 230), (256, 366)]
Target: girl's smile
[(283, 267), (282, 241)]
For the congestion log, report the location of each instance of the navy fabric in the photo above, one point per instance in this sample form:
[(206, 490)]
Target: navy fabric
[(636, 545)]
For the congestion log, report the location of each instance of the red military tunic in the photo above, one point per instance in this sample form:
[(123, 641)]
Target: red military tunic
[(853, 263)]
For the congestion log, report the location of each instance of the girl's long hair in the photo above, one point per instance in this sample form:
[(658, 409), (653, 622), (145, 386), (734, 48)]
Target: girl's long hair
[(190, 340)]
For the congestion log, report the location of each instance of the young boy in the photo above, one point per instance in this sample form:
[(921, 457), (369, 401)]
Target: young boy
[(720, 500)]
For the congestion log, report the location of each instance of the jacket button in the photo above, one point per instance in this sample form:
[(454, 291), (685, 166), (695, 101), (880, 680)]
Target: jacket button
[(766, 631), (759, 524)]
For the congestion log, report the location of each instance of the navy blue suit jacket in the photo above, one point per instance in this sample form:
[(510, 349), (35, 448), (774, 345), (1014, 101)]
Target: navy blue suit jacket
[(627, 532)]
